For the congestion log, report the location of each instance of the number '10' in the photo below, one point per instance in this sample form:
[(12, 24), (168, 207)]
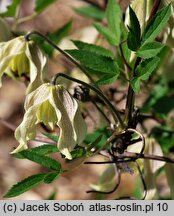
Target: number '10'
[(162, 206)]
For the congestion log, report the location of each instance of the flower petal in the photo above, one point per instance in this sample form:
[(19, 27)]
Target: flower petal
[(66, 108), (8, 50), (47, 114), (38, 66), (26, 130), (38, 96)]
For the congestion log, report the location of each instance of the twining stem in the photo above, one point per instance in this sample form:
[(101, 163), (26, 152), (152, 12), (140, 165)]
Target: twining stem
[(154, 9), (95, 88), (115, 112), (130, 98), (130, 157), (27, 37)]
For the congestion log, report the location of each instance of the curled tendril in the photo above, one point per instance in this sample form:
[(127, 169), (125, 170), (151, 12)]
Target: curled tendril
[(118, 177), (126, 157)]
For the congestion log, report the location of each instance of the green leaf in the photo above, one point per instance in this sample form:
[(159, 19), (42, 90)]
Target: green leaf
[(149, 50), (143, 71), (156, 25), (11, 9), (41, 159), (114, 17), (95, 142), (135, 83), (134, 34), (146, 67), (77, 153), (106, 33), (53, 137), (42, 150), (100, 133), (91, 12), (25, 185), (164, 136), (93, 48), (107, 79), (42, 4), (94, 61), (56, 37), (50, 177)]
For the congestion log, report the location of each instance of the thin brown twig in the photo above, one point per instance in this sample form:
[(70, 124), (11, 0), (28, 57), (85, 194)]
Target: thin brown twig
[(130, 156), (124, 59), (154, 9)]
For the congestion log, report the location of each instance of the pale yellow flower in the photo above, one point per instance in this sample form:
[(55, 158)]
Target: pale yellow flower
[(18, 57), (52, 105)]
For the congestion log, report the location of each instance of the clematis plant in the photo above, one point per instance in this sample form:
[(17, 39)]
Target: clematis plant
[(18, 57), (52, 105), (133, 51)]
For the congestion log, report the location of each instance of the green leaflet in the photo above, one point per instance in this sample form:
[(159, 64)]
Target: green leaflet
[(31, 182), (156, 25), (94, 61), (143, 71), (164, 136), (42, 4), (107, 79), (42, 150), (146, 67), (114, 17), (79, 152), (94, 143), (25, 185), (42, 160), (52, 137), (50, 177), (93, 48), (91, 12), (149, 50), (97, 138), (11, 9), (107, 33), (134, 34), (135, 83)]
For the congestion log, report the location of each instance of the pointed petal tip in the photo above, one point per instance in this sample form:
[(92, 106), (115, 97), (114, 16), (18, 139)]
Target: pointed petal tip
[(19, 148), (67, 153)]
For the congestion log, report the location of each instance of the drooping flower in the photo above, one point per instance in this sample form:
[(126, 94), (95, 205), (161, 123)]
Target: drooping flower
[(52, 105), (18, 57)]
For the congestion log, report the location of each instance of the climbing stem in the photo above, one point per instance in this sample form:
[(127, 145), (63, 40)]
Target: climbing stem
[(27, 37), (114, 111)]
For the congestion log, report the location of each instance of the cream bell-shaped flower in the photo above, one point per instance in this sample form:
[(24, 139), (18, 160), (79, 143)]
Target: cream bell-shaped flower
[(18, 57), (52, 104)]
